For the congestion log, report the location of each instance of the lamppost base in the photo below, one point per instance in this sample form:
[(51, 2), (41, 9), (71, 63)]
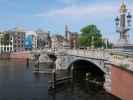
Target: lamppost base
[(123, 46)]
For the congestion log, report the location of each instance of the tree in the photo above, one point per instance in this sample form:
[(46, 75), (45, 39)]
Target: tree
[(90, 35)]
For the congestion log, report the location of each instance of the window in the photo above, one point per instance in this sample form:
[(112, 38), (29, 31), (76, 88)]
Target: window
[(18, 42), (4, 48)]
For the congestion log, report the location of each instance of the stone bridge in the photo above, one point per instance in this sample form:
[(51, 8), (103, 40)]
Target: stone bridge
[(65, 58), (100, 60), (68, 57), (97, 58)]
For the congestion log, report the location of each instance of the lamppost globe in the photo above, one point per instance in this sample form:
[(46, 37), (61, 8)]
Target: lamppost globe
[(129, 17), (117, 21)]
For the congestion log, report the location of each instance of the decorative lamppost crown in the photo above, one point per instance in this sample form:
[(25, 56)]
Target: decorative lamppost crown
[(123, 8)]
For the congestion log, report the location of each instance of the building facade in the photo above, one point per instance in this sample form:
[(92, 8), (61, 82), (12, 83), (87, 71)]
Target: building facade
[(18, 34), (73, 39), (6, 42), (43, 39), (30, 40), (57, 41)]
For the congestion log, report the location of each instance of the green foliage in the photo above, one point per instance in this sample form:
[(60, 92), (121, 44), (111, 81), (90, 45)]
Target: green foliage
[(91, 35), (90, 30), (83, 40), (110, 45)]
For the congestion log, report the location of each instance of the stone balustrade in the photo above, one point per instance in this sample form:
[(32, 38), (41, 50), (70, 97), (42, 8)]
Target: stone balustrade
[(121, 58), (97, 54)]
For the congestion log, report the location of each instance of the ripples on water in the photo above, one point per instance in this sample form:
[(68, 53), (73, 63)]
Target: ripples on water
[(17, 82)]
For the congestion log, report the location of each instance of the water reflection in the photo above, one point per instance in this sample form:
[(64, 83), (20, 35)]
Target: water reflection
[(80, 89), (17, 82)]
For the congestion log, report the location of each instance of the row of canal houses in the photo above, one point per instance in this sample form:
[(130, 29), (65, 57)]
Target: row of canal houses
[(20, 39)]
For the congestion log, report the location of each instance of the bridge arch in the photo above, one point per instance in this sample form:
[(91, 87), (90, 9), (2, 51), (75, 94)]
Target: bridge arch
[(85, 60), (87, 66)]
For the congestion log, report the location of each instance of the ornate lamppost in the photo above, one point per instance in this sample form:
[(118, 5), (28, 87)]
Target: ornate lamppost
[(123, 24)]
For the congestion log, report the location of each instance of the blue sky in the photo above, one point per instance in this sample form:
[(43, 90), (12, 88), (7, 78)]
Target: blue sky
[(52, 15)]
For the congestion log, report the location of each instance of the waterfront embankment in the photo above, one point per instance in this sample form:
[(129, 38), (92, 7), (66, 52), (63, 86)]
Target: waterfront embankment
[(16, 55)]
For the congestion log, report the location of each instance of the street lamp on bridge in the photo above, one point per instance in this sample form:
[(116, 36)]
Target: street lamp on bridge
[(123, 24)]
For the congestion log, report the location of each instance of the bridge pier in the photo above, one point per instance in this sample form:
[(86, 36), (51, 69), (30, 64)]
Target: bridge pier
[(108, 82), (58, 77)]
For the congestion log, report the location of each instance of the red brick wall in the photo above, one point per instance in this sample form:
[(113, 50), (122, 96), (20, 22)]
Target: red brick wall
[(122, 83), (19, 55)]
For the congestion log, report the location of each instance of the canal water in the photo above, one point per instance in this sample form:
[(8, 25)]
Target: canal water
[(18, 82)]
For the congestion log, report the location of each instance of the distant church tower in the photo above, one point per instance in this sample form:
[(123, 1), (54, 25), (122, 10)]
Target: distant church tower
[(123, 23), (66, 32)]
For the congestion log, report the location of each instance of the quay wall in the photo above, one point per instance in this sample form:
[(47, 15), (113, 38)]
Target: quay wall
[(5, 56), (122, 82), (15, 55)]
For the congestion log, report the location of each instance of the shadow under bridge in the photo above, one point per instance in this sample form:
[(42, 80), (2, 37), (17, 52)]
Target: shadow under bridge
[(86, 71)]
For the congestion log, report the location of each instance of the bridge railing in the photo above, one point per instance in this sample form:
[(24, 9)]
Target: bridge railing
[(99, 54), (93, 53), (123, 60)]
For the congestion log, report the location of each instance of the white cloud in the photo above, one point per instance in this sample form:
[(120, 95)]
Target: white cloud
[(81, 11), (68, 1)]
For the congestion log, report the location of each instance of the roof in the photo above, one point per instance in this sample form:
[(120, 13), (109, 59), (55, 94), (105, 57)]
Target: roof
[(17, 29), (58, 37)]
